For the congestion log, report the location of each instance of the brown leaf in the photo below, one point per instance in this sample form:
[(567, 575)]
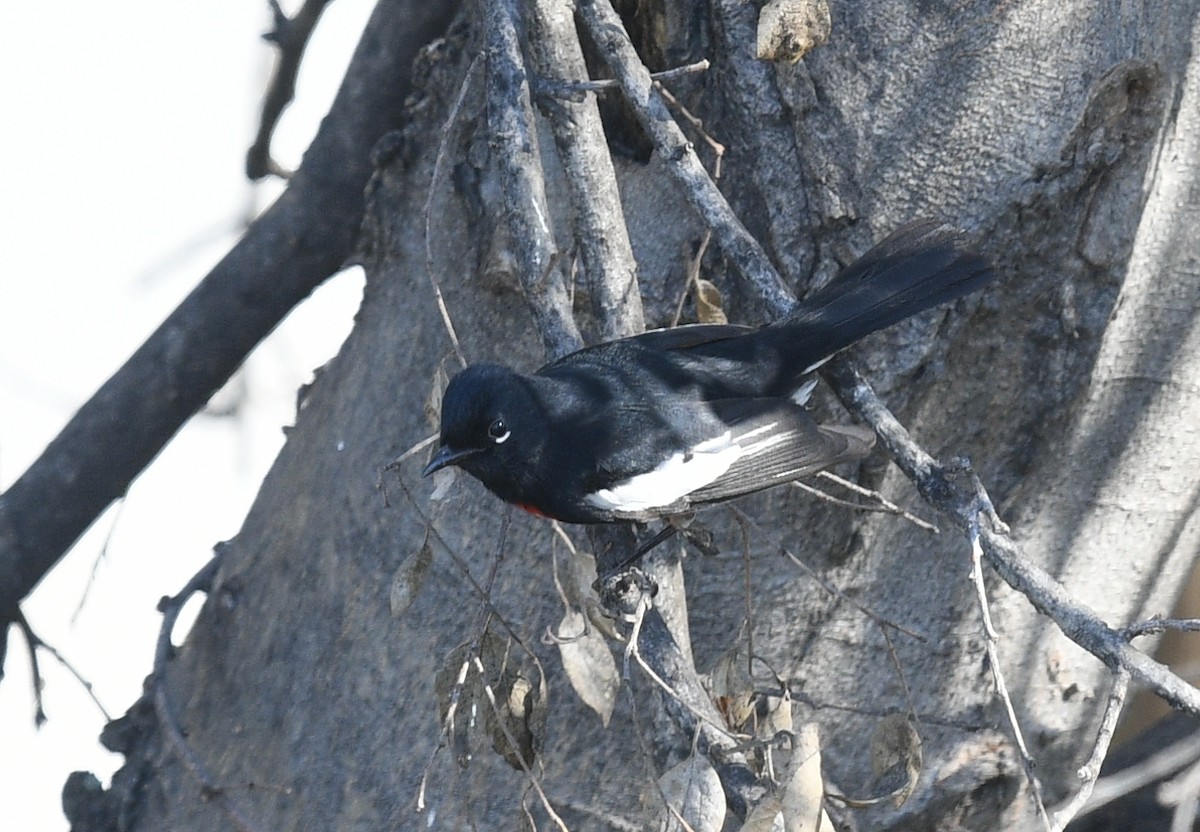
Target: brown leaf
[(709, 303)]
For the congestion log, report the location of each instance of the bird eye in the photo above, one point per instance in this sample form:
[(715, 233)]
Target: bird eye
[(498, 430)]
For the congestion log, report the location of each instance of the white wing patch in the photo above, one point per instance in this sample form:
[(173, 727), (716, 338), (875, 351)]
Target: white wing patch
[(803, 393), (684, 473), (673, 479)]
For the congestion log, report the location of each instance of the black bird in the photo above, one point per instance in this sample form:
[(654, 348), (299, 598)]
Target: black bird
[(654, 424)]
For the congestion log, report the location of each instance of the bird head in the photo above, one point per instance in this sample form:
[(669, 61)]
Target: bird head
[(489, 426)]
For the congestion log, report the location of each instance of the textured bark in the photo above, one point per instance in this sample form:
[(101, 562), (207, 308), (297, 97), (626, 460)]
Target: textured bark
[(1063, 135)]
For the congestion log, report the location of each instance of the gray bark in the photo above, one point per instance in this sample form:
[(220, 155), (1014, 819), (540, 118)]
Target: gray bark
[(1063, 135)]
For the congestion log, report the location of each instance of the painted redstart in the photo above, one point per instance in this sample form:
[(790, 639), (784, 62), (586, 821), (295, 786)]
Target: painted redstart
[(654, 424)]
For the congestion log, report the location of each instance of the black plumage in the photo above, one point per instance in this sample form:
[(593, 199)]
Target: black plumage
[(654, 424)]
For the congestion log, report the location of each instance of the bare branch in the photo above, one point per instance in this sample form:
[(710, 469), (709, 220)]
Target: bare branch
[(680, 157), (603, 240), (1157, 626), (992, 648), (515, 148), (1166, 761), (766, 123), (301, 240), (1089, 772), (688, 703), (885, 506), (36, 641), (575, 89), (1077, 621), (291, 36)]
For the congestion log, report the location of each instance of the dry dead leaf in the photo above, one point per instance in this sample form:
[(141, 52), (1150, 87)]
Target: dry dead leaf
[(591, 668), (433, 404), (731, 686), (710, 306), (777, 716), (765, 816), (693, 789), (803, 790), (520, 707), (443, 479), (581, 593), (410, 577)]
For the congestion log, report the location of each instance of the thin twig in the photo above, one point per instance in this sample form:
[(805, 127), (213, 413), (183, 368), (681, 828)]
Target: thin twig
[(435, 181), (170, 607), (571, 89), (461, 562), (632, 651), (1170, 759), (290, 35), (828, 586), (31, 643), (993, 654), (1156, 626), (394, 465), (680, 158), (480, 630), (934, 481), (796, 691), (1089, 772), (601, 236), (692, 283), (100, 558), (885, 505), (747, 595), (895, 659), (87, 686), (515, 746)]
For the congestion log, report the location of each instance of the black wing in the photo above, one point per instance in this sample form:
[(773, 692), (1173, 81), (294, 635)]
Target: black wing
[(689, 335), (656, 340), (780, 442)]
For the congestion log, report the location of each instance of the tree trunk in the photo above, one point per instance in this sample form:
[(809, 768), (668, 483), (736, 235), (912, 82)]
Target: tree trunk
[(1061, 136)]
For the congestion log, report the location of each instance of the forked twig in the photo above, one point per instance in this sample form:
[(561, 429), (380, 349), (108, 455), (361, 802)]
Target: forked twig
[(290, 35), (990, 641), (1089, 772)]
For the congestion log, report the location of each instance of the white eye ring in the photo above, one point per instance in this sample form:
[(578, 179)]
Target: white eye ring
[(499, 431)]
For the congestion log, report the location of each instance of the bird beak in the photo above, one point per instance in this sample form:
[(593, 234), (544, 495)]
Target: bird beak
[(447, 456)]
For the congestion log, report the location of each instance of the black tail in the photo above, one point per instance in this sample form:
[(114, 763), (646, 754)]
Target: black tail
[(919, 266)]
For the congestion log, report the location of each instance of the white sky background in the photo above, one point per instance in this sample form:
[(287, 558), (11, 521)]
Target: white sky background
[(125, 127)]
